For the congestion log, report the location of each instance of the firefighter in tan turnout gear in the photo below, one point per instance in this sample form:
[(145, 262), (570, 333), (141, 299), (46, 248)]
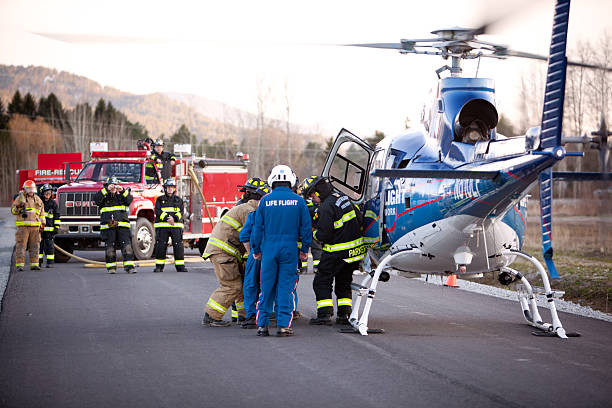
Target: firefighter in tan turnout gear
[(29, 211), (226, 252)]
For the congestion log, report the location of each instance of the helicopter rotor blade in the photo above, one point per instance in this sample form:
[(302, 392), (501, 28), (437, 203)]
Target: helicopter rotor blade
[(388, 46), (528, 55), (99, 39)]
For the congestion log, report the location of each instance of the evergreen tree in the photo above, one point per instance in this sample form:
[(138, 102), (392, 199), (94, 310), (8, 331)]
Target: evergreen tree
[(100, 111), (29, 106), (138, 131), (16, 104), (181, 136)]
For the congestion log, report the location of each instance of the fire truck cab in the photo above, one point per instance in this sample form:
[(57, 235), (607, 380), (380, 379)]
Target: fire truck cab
[(80, 228)]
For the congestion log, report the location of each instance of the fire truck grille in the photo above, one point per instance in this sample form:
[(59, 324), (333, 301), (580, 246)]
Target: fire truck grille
[(78, 204)]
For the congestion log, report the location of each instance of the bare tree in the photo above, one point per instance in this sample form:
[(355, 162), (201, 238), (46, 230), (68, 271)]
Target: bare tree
[(263, 99), (288, 123)]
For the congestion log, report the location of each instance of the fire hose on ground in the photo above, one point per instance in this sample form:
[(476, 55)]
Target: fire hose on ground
[(90, 263)]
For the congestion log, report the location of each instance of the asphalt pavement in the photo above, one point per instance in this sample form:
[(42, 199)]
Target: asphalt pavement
[(77, 337)]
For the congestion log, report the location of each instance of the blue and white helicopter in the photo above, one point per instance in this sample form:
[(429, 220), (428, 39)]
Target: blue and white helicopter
[(450, 197)]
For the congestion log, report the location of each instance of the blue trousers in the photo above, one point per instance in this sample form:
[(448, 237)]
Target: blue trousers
[(278, 282), (250, 287)]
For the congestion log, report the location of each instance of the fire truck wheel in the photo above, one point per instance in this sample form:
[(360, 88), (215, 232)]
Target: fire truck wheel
[(143, 240), (67, 246)]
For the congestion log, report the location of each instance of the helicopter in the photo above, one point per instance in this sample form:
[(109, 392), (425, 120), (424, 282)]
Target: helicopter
[(450, 196)]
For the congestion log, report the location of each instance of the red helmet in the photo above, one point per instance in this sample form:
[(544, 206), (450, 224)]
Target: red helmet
[(29, 186)]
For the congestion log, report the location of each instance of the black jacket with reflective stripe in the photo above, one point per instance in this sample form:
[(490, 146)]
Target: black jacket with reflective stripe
[(51, 212), (335, 223), (107, 200), (166, 201), (164, 167)]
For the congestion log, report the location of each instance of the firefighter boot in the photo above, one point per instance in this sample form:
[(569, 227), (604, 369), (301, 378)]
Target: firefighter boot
[(181, 268), (321, 320), (210, 322), (112, 271), (158, 268), (263, 331), (249, 323), (49, 264), (130, 269)]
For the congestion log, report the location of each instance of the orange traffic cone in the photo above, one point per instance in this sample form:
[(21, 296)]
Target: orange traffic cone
[(451, 282)]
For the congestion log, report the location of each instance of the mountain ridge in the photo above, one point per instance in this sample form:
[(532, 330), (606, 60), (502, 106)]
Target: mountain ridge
[(160, 113)]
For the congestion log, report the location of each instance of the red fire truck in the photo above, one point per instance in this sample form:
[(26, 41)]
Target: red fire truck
[(80, 228), (50, 169)]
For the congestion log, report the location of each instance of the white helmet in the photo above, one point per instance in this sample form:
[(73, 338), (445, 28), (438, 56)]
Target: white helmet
[(281, 173)]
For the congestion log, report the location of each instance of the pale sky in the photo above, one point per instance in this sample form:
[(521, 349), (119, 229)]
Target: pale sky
[(219, 50)]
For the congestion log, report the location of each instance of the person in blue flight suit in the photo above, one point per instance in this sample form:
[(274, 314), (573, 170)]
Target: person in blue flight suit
[(250, 287), (281, 219)]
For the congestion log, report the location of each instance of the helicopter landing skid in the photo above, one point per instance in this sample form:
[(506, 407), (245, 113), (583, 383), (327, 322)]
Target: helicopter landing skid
[(528, 303), (367, 288)]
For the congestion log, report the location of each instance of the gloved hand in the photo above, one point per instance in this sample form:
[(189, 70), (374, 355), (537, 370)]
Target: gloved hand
[(113, 223)]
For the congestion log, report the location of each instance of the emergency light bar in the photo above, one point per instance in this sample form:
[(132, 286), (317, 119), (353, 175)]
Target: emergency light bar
[(125, 153)]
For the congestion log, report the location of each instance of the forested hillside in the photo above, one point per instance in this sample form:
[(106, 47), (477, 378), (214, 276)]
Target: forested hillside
[(45, 111), (158, 113)]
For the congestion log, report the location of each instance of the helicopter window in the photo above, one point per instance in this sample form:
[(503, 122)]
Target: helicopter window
[(440, 105), (396, 158), (374, 182), (348, 170), (347, 176)]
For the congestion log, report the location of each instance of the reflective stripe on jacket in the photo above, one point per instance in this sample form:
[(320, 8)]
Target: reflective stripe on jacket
[(339, 228), (167, 207), (225, 237), (35, 211), (113, 207)]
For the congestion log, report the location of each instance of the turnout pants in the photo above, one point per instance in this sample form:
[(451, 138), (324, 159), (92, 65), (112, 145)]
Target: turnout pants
[(316, 249), (161, 245), (118, 238), (279, 280), (332, 267), (46, 248), (26, 237), (227, 270)]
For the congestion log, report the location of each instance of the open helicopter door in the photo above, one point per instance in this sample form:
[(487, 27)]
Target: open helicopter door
[(348, 164)]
